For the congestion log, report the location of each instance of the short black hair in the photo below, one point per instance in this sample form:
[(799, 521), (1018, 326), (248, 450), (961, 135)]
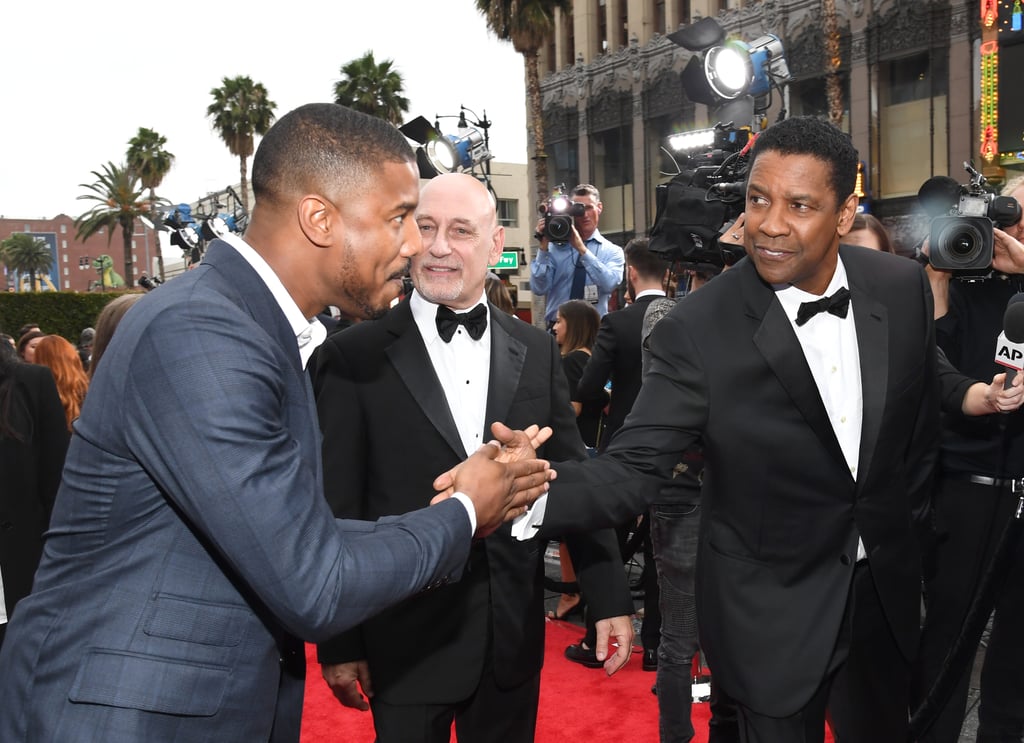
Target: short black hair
[(807, 135), (638, 255), (324, 148)]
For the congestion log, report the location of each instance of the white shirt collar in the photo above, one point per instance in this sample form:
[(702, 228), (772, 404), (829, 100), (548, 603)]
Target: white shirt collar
[(309, 334), (649, 293)]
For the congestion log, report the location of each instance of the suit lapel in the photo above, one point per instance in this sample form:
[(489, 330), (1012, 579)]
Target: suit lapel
[(872, 319), (508, 356), (778, 344), (409, 357)]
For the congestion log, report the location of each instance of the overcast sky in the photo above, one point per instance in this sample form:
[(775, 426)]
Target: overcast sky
[(79, 79)]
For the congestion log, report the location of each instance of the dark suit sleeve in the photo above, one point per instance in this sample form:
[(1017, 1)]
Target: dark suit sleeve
[(344, 457), (667, 418), (599, 369), (595, 554)]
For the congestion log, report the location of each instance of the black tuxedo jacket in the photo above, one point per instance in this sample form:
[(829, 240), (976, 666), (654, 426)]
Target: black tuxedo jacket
[(388, 433), (616, 356), (781, 511), (31, 469)]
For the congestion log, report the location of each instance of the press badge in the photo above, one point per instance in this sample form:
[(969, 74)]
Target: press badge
[(590, 293)]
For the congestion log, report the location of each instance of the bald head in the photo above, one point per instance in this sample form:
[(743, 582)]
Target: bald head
[(461, 238)]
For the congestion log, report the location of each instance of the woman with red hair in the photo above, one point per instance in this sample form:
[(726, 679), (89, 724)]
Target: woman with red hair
[(61, 356)]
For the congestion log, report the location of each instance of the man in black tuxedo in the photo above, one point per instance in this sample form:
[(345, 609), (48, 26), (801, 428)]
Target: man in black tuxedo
[(435, 372), (617, 357), (808, 372)]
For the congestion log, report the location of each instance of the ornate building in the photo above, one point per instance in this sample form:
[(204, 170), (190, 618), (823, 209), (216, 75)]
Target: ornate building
[(908, 72)]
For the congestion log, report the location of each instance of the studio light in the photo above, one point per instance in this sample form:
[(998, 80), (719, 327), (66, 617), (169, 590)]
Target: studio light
[(462, 152), (724, 74), (695, 141), (457, 152)]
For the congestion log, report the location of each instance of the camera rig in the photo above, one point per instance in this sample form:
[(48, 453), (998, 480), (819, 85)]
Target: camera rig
[(708, 192)]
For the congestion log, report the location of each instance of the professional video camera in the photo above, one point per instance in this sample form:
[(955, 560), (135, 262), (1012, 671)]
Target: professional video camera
[(708, 193), (558, 212), (960, 236)]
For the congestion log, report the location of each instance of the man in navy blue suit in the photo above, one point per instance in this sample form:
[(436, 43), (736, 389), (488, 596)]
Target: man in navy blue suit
[(190, 550)]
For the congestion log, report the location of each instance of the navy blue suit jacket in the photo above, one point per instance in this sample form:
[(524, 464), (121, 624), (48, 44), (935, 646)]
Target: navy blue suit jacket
[(191, 549)]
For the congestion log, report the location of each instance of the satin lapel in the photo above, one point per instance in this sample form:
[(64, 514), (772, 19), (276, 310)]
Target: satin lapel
[(409, 357), (508, 357), (778, 344), (872, 318)]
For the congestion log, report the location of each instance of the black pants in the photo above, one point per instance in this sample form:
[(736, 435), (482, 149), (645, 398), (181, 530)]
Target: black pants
[(970, 519), (866, 693)]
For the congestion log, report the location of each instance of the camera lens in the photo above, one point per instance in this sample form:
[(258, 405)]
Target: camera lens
[(559, 228), (961, 242)]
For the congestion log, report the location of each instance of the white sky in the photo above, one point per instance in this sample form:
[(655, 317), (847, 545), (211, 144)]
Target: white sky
[(79, 79)]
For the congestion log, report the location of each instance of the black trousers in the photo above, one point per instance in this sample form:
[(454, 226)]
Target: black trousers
[(866, 692), (970, 519), (491, 714)]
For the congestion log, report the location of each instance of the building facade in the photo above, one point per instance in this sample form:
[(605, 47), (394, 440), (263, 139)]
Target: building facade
[(909, 73), (74, 262)]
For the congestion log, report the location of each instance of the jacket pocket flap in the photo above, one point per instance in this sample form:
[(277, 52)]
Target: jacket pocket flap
[(149, 683)]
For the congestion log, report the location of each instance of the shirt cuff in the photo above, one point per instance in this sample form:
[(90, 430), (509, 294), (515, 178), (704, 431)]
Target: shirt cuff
[(470, 509), (525, 527)]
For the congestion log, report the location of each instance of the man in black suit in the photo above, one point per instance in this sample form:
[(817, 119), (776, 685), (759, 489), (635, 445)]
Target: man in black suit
[(33, 441), (808, 372), (617, 357), (435, 372)]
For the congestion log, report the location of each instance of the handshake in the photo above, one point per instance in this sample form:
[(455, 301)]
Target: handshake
[(503, 478)]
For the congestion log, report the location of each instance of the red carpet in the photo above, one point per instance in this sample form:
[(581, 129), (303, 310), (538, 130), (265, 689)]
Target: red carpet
[(577, 704)]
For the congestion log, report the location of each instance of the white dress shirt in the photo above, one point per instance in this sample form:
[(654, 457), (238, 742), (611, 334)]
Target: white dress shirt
[(462, 365), (830, 347)]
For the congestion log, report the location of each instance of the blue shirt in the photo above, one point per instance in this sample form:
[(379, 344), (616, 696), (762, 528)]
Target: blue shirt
[(551, 272)]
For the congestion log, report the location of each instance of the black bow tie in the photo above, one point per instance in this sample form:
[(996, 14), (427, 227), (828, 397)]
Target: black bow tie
[(838, 304), (475, 321)]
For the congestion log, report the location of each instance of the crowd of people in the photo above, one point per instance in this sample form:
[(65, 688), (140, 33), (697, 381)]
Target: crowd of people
[(806, 445)]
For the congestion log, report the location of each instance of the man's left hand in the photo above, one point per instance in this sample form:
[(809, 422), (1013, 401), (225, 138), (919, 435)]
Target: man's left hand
[(618, 632)]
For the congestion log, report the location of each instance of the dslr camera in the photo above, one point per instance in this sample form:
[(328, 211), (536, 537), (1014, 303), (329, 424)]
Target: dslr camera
[(696, 204), (558, 212), (960, 236)]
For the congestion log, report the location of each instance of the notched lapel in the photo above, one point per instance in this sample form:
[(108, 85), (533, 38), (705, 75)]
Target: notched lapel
[(508, 357), (408, 355)]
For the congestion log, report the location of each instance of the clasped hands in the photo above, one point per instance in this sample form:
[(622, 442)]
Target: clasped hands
[(503, 478)]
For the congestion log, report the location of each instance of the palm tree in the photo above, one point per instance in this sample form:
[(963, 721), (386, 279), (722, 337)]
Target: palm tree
[(151, 162), (372, 88), (528, 24), (26, 254), (121, 200), (240, 111)]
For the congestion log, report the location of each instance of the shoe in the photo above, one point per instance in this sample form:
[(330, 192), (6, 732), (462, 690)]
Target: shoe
[(650, 662), (576, 608), (584, 656)]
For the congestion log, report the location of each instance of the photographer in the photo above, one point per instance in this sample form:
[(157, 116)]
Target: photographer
[(981, 457), (587, 266)]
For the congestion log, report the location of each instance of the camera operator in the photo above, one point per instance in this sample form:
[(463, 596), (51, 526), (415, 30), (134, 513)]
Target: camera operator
[(981, 458), (586, 267)]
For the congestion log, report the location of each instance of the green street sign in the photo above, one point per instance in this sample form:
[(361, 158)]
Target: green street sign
[(509, 260)]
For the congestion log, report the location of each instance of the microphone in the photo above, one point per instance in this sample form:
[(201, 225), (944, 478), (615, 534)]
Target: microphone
[(938, 195), (1010, 344)]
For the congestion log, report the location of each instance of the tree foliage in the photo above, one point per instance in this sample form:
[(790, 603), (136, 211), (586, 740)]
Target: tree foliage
[(26, 254), (372, 87), (528, 24), (120, 200), (241, 111)]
